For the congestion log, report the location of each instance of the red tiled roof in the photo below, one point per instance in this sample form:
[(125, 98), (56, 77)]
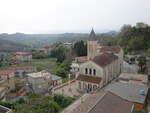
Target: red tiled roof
[(91, 79), (6, 72), (104, 59), (81, 58), (47, 47), (23, 53), (113, 49), (21, 68), (112, 103)]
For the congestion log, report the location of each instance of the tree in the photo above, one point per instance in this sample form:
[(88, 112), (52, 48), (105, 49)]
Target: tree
[(63, 69), (59, 53), (148, 52), (80, 48), (142, 63), (141, 25)]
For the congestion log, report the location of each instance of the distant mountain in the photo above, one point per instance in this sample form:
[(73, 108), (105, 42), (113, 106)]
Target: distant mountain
[(39, 40)]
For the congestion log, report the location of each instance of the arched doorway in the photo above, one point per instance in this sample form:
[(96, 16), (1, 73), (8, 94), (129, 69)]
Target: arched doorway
[(89, 89)]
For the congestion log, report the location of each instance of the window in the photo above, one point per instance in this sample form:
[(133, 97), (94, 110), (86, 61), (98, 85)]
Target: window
[(90, 71), (94, 72), (86, 71)]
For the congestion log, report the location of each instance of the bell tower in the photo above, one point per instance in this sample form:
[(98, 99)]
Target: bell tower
[(92, 45)]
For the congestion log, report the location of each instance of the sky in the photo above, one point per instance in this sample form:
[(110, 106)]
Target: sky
[(58, 16)]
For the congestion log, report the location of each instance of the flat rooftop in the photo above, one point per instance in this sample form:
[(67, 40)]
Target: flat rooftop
[(134, 78), (39, 74)]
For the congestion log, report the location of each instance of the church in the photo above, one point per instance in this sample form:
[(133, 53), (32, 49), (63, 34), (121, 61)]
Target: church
[(104, 63)]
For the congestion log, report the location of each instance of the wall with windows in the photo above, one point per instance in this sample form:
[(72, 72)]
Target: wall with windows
[(91, 69), (87, 87)]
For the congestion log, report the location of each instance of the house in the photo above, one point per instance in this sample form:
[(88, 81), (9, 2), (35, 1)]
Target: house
[(5, 110), (56, 80), (131, 92), (7, 79), (68, 44), (23, 56), (139, 79), (47, 49), (76, 64), (39, 82), (102, 65), (22, 71)]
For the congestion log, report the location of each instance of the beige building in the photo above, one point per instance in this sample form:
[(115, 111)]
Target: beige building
[(7, 79), (23, 56), (39, 82), (104, 64), (47, 49)]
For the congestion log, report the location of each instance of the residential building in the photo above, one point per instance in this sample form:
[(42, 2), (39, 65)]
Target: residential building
[(5, 110), (47, 49), (76, 64), (68, 44), (23, 56), (39, 82), (102, 65), (7, 79)]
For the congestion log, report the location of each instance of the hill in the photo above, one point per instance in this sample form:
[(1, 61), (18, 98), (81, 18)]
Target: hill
[(8, 46)]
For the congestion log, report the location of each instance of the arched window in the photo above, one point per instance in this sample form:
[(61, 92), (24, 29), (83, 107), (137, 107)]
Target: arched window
[(90, 71), (94, 72), (86, 71)]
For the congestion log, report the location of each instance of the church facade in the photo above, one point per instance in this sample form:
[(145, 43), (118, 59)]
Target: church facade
[(103, 65)]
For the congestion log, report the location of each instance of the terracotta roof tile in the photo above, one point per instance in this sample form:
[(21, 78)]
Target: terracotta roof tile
[(113, 49), (81, 58), (6, 72), (47, 47), (23, 53), (91, 79), (104, 59)]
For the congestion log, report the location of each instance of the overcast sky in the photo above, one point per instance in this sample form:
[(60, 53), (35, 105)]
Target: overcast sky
[(57, 16)]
